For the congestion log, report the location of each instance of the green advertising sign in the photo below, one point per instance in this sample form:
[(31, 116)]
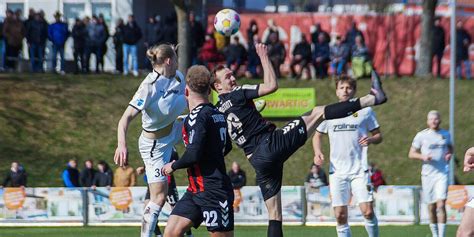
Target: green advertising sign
[(286, 102)]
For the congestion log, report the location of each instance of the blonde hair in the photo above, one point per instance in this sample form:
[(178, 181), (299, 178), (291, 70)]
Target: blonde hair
[(159, 53)]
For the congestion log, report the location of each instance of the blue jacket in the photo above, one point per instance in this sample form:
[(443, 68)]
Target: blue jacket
[(58, 33), (70, 177)]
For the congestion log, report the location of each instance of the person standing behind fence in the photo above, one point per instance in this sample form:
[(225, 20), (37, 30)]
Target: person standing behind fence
[(104, 177), (16, 177), (131, 35), (88, 174), (153, 35), (79, 34), (58, 33), (13, 31), (118, 44), (36, 35), (96, 35), (71, 175), (103, 46), (463, 40)]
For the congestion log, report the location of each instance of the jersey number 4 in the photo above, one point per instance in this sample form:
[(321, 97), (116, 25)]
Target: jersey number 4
[(235, 129)]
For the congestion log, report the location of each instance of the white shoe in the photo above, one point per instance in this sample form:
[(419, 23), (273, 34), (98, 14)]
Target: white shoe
[(62, 73), (125, 73), (135, 73)]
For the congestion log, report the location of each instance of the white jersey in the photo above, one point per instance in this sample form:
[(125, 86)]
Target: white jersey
[(160, 100), (435, 144), (347, 155)]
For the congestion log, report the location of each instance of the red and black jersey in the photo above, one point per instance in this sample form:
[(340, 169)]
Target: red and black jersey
[(207, 142), (245, 123)]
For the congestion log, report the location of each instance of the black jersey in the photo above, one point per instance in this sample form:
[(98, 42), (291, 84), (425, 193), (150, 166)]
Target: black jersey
[(207, 142), (244, 122)]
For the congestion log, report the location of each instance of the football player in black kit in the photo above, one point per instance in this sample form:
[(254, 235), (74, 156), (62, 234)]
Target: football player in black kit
[(210, 195), (267, 147)]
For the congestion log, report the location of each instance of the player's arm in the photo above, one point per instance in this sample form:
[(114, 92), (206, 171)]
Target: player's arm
[(270, 83), (318, 153), (375, 138), (415, 153), (121, 153)]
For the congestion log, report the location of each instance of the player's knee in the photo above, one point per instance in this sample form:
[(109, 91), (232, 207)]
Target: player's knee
[(368, 214), (341, 217), (173, 231)]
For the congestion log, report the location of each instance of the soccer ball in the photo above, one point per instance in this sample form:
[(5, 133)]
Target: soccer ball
[(227, 22)]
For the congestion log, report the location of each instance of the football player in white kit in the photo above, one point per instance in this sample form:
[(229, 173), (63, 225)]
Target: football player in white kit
[(349, 172), (433, 146), (160, 99), (466, 228)]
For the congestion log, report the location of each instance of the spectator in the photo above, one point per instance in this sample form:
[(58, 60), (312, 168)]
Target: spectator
[(237, 176), (321, 56), (125, 177), (103, 178), (198, 34), (276, 53), (170, 29), (238, 179), (272, 27), (208, 53), (316, 177), (96, 35), (339, 56), (315, 35), (118, 45), (88, 174), (361, 65), (253, 64), (153, 36), (36, 35), (58, 33), (131, 35), (376, 176), (16, 177), (79, 35), (103, 46), (463, 40), (13, 31), (31, 17), (352, 34), (438, 44), (252, 30), (2, 47), (301, 56), (71, 175), (235, 55)]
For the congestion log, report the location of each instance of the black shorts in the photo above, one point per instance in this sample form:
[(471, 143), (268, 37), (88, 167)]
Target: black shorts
[(272, 152), (214, 209), (172, 196)]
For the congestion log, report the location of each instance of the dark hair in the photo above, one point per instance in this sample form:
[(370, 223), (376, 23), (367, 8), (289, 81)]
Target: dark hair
[(345, 79), (103, 163), (214, 79), (198, 79)]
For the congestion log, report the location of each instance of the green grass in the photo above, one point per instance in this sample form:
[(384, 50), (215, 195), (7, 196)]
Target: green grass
[(47, 119), (289, 231)]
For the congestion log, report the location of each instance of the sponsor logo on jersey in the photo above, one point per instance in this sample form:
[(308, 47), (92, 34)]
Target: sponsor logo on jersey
[(345, 127), (225, 106), (218, 118), (140, 102)]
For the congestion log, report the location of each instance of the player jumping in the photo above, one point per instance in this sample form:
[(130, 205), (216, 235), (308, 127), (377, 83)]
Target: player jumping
[(466, 228), (210, 195), (433, 147), (267, 147), (160, 99), (349, 171)]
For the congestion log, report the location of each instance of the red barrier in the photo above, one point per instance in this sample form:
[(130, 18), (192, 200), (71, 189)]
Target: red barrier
[(392, 39)]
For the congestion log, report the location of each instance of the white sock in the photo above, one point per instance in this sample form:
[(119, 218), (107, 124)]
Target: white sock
[(372, 227), (434, 229), (343, 230), (150, 218), (441, 229)]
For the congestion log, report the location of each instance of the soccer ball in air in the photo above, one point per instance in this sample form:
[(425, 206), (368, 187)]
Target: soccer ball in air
[(227, 22)]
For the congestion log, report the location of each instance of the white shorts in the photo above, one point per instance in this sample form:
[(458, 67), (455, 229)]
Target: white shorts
[(434, 187), (470, 203), (157, 152), (342, 186)]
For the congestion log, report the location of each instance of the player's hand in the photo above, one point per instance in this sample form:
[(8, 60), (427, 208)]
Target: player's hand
[(318, 158), (426, 157), (140, 170), (121, 155), (469, 160), (448, 156), (365, 141), (261, 49), (167, 170)]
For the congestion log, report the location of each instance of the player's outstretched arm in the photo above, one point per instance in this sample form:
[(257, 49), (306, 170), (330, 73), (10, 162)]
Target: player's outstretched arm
[(270, 83), (318, 153), (121, 153), (469, 160), (416, 154)]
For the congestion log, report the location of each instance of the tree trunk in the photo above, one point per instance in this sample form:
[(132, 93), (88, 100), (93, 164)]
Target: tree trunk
[(424, 65), (184, 37)]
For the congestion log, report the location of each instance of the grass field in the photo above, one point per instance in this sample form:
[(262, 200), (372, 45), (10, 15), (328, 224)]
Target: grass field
[(289, 231), (47, 119)]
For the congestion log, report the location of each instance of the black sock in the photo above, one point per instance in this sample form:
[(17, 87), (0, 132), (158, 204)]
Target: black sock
[(274, 229), (342, 109), (188, 233), (157, 230)]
